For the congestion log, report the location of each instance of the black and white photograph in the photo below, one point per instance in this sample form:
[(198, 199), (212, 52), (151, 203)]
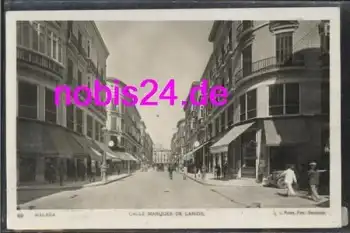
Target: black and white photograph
[(173, 119)]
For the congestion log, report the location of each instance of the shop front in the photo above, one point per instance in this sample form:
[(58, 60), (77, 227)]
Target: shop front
[(47, 153)]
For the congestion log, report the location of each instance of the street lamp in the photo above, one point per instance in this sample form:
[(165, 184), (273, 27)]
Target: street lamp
[(104, 156)]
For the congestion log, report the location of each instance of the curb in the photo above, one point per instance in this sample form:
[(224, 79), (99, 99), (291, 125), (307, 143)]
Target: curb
[(73, 187), (218, 185)]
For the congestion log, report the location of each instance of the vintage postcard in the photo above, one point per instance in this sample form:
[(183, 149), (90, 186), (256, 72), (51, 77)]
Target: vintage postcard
[(143, 119)]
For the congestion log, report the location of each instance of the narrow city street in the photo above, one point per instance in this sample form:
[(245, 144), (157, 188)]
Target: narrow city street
[(155, 190), (142, 190)]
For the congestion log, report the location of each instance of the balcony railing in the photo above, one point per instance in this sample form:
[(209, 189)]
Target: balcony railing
[(282, 25), (30, 112), (91, 66), (244, 27), (40, 60), (266, 65)]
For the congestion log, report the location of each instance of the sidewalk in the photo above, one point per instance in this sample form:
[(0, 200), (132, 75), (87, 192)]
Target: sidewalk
[(209, 180), (73, 185)]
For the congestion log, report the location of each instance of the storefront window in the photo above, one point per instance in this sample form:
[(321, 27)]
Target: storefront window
[(89, 126), (251, 104), (284, 99), (50, 107), (27, 100), (79, 120), (248, 105)]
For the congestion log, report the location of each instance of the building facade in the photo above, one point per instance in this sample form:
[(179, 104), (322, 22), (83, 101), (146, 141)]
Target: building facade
[(127, 130), (55, 139), (277, 113), (178, 142), (161, 156)]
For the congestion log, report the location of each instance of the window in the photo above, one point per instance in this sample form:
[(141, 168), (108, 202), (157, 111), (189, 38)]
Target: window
[(80, 81), (223, 121), (89, 48), (89, 126), (217, 126), (284, 99), (247, 104), (23, 33), (101, 133), (97, 130), (284, 47), (113, 123), (27, 100), (79, 120), (50, 107), (80, 38), (325, 98), (242, 108), (123, 124), (35, 36), (230, 115), (70, 72), (276, 99), (247, 24), (70, 117), (251, 104), (247, 60)]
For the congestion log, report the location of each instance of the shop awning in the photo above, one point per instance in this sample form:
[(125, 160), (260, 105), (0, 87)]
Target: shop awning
[(33, 138), (286, 131), (126, 156), (110, 154), (190, 154), (89, 147), (65, 143), (222, 145)]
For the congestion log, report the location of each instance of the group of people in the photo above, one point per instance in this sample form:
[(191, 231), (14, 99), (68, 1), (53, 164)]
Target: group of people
[(290, 179), (221, 172)]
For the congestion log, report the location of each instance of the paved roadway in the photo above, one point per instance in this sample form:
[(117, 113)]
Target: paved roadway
[(142, 190)]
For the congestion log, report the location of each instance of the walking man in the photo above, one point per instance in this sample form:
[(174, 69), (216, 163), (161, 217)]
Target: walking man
[(289, 179), (185, 172), (314, 180)]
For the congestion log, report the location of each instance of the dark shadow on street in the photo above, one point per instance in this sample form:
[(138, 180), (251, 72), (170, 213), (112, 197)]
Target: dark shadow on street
[(24, 196)]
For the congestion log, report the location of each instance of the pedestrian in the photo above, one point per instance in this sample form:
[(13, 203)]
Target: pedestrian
[(185, 173), (314, 180), (198, 172), (92, 171), (289, 180), (218, 171), (61, 172), (224, 170), (170, 170)]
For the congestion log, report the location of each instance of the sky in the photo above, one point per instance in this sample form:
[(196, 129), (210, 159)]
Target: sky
[(158, 50)]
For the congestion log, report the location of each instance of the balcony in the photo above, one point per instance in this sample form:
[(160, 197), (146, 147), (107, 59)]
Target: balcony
[(244, 29), (39, 60), (73, 40), (91, 66), (269, 65), (275, 26)]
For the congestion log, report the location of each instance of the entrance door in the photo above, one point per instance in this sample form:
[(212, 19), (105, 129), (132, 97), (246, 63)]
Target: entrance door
[(248, 161)]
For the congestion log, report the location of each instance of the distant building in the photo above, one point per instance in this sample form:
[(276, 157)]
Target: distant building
[(161, 156)]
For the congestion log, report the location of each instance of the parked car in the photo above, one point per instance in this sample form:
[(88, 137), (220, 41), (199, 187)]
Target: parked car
[(275, 180)]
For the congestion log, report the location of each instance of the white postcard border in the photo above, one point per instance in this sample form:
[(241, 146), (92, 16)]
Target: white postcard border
[(214, 218)]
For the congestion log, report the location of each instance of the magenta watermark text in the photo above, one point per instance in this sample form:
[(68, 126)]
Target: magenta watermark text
[(84, 96)]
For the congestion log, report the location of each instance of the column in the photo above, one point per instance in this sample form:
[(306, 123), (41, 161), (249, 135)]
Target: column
[(258, 153), (214, 161), (41, 103), (76, 169)]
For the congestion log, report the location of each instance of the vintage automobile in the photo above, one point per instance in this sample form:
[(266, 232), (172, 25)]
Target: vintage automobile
[(275, 180)]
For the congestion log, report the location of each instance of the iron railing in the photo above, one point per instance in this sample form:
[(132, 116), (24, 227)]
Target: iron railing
[(40, 60), (30, 112), (266, 65)]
